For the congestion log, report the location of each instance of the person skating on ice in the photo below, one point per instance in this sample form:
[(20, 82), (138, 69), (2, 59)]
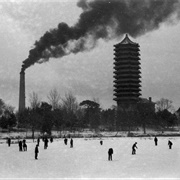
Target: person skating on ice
[(20, 145), (9, 141), (71, 143), (156, 140), (36, 152), (134, 147), (170, 144), (110, 152)]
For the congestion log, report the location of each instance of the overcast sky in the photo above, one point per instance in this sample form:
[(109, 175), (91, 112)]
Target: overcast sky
[(88, 74)]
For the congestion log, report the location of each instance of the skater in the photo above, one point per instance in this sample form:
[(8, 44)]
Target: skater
[(65, 141), (110, 152), (51, 139), (20, 145), (170, 144), (24, 145), (38, 141), (71, 143), (133, 148), (9, 142), (156, 140), (46, 143), (36, 152), (24, 141), (101, 142)]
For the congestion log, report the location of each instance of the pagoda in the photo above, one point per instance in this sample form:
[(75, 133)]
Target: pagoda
[(127, 72)]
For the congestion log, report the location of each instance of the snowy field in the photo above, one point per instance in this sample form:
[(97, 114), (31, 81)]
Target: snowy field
[(88, 159)]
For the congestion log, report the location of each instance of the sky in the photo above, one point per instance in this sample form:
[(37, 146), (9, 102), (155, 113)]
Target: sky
[(87, 74)]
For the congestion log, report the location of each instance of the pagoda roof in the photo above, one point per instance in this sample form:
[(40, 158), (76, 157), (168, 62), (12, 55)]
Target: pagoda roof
[(126, 99), (126, 40)]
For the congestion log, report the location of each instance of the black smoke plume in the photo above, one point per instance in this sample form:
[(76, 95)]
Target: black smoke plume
[(104, 19)]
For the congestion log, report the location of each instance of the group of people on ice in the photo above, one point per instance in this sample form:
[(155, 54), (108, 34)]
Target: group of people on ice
[(23, 145), (169, 142), (45, 140), (71, 142), (134, 147)]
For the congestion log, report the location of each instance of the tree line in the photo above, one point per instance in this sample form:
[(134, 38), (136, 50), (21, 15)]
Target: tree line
[(67, 114)]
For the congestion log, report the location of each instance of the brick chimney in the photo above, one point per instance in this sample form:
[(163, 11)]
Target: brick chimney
[(150, 99), (22, 92)]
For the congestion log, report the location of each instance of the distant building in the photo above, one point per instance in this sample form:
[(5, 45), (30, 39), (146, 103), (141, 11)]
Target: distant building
[(148, 103), (127, 73), (177, 113)]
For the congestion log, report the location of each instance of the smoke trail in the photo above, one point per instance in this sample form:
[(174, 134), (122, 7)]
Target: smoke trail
[(104, 19)]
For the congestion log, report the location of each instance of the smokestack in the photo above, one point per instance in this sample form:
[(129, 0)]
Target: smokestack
[(22, 91), (150, 99)]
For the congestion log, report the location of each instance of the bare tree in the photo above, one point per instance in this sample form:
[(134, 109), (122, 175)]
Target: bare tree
[(70, 103), (163, 104), (54, 98), (34, 100), (70, 108)]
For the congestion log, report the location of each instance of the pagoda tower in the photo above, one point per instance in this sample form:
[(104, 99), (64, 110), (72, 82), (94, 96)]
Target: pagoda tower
[(127, 73)]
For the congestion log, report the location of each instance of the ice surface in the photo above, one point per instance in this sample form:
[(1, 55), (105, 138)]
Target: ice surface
[(88, 159)]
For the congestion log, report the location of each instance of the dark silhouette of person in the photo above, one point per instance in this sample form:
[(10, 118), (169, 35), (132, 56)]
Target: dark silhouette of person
[(51, 139), (134, 147), (38, 141), (65, 141), (156, 140), (24, 145), (9, 142), (36, 152), (110, 152), (20, 145), (170, 144), (24, 141), (101, 142), (71, 143), (46, 143)]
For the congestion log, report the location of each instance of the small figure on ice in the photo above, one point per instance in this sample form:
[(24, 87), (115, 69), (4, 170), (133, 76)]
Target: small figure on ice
[(134, 147), (71, 143), (9, 141), (36, 152), (20, 145), (156, 140), (51, 139), (65, 141), (110, 152), (170, 144), (101, 142), (24, 145), (46, 143)]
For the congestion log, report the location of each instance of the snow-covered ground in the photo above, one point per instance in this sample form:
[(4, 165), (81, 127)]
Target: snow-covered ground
[(88, 159)]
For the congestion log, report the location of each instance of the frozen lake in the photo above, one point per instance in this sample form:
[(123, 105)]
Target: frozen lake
[(88, 159)]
